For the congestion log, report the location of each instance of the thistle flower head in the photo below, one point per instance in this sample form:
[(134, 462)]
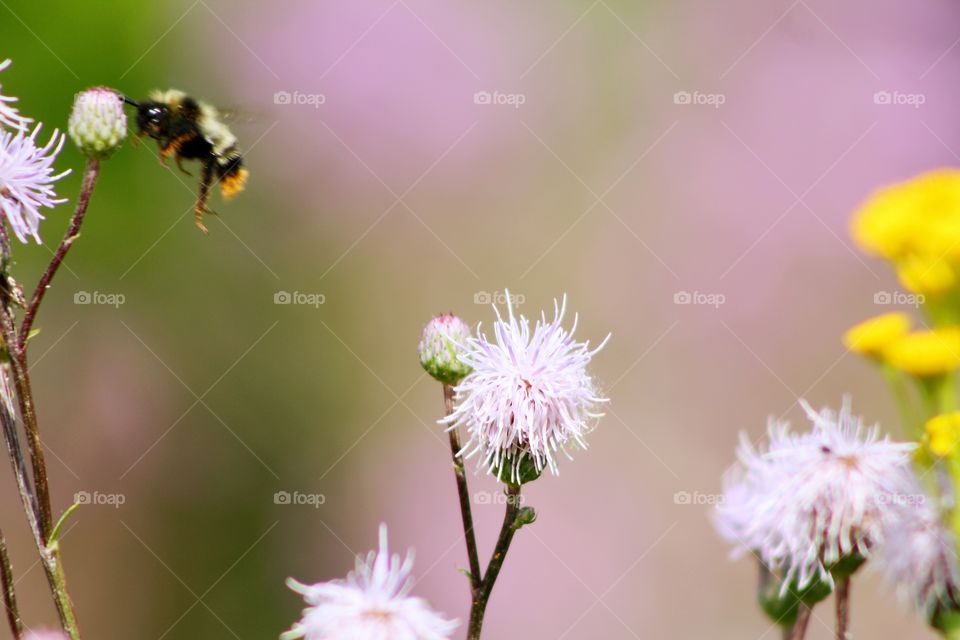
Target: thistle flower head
[(26, 180), (9, 116), (440, 347), (918, 554), (371, 604), (98, 123), (810, 500), (529, 395)]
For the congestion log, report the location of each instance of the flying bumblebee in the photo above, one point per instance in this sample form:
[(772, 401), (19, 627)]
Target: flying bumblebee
[(189, 129)]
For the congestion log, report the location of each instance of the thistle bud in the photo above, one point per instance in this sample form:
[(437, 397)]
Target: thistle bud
[(98, 123), (440, 346)]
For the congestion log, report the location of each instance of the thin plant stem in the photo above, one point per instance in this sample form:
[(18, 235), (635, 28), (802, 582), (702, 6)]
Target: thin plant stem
[(9, 593), (90, 174), (800, 626), (12, 438), (49, 554), (53, 567), (466, 513), (21, 381), (842, 598), (16, 342), (509, 528)]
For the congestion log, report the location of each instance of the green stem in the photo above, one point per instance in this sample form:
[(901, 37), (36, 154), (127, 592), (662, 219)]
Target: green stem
[(507, 530), (90, 174), (9, 594), (466, 514), (898, 388), (53, 567)]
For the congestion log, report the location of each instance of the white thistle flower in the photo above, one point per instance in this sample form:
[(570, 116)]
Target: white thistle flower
[(919, 556), (9, 116), (26, 180), (529, 395), (371, 604), (810, 500)]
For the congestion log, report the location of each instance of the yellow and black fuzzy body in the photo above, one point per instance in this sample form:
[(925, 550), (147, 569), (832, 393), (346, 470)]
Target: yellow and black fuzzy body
[(189, 129)]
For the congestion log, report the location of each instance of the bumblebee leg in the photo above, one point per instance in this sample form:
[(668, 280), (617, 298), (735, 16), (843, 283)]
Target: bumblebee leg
[(200, 208), (172, 146), (180, 166)]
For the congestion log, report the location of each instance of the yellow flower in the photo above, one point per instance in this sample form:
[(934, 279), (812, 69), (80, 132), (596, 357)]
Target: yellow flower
[(926, 353), (943, 432), (872, 336), (919, 217), (925, 276)]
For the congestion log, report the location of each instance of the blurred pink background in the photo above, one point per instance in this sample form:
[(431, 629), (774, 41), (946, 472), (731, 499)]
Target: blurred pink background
[(391, 191)]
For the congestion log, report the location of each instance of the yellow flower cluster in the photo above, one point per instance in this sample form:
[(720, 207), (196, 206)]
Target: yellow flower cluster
[(871, 337), (943, 434), (916, 225), (925, 353)]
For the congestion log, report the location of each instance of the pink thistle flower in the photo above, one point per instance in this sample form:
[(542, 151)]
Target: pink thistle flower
[(26, 180), (810, 500), (919, 557), (529, 395), (9, 116), (371, 604)]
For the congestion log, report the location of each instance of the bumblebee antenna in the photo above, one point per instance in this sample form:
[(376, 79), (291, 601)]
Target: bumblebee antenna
[(131, 102)]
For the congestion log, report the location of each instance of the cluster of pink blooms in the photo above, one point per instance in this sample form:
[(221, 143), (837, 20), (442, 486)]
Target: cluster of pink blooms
[(26, 170), (809, 500)]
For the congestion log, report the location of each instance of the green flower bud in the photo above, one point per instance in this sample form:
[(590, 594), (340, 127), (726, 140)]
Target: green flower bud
[(517, 472), (440, 346), (98, 123), (526, 515), (782, 607)]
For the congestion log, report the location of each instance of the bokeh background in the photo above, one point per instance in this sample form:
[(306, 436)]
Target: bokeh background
[(388, 189)]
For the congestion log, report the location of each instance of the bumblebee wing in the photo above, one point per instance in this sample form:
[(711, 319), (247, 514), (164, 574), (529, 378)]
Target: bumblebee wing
[(238, 115)]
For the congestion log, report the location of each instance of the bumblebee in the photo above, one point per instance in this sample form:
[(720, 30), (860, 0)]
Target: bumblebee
[(189, 129)]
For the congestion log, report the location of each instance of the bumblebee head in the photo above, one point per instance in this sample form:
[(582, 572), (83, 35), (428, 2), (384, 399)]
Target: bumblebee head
[(152, 118)]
